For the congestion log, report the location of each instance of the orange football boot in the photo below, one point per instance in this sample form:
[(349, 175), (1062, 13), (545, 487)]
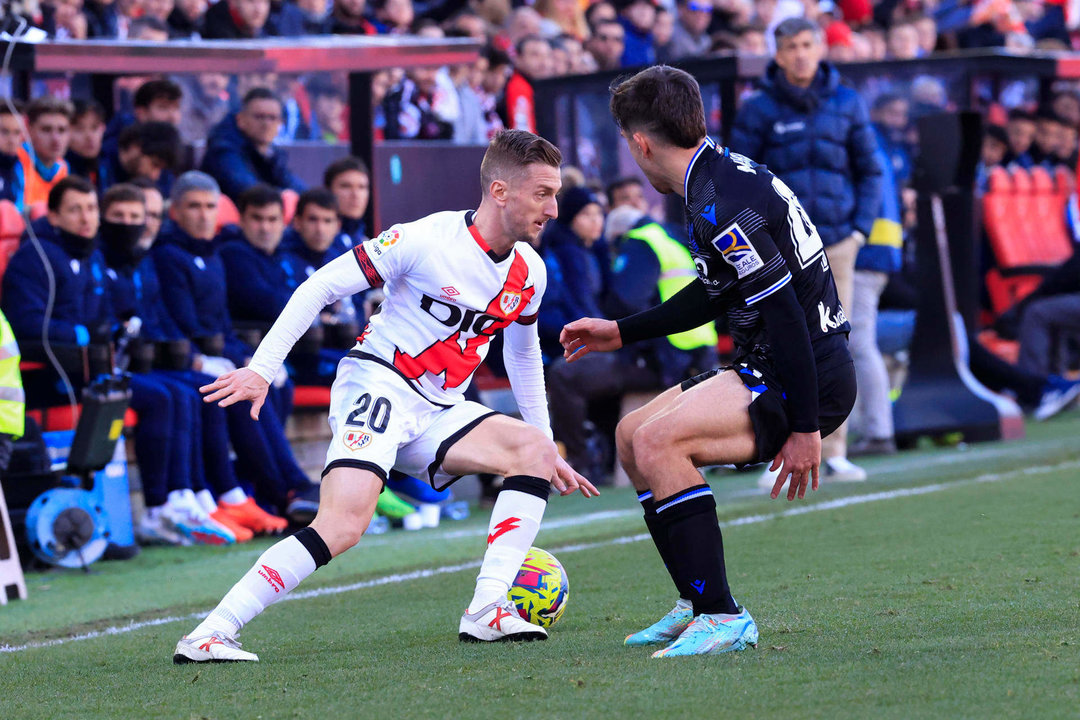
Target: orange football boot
[(253, 517)]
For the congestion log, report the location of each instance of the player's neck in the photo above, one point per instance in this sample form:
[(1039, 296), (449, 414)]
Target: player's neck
[(676, 166), (491, 230)]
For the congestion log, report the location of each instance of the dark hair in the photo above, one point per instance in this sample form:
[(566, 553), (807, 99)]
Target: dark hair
[(664, 102), (1047, 114), (342, 166), (591, 10), (156, 139), (143, 183), (152, 90), (47, 105), (998, 133), (259, 196), (122, 192), (6, 109), (71, 182), (511, 150), (495, 56), (1021, 114), (618, 185), (792, 27), (87, 107), (319, 197), (260, 93), (887, 98), (520, 47)]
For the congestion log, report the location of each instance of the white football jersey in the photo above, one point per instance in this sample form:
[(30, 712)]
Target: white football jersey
[(447, 295)]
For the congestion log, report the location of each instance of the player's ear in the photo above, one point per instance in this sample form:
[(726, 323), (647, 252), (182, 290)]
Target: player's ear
[(498, 190), (643, 144)]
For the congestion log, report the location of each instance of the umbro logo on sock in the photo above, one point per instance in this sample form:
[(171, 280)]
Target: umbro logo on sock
[(273, 577), (698, 585)]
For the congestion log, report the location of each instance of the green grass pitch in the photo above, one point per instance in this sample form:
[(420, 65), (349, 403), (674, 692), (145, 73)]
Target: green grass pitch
[(948, 586)]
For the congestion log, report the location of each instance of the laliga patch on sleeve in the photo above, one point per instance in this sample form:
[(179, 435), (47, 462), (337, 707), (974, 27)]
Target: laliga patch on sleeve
[(386, 240), (737, 251)]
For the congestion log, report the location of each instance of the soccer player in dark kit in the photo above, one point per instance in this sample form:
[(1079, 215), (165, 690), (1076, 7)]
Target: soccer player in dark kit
[(761, 263)]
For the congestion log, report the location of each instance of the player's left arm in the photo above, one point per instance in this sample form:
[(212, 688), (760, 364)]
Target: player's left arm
[(866, 170)]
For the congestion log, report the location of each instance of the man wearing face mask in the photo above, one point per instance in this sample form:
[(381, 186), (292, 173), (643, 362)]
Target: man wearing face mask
[(170, 459), (81, 319), (193, 287)]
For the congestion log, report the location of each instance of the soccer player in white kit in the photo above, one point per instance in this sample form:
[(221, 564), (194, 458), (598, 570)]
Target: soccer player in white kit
[(453, 280)]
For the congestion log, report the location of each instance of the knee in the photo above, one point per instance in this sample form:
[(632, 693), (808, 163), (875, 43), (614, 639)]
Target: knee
[(340, 530), (653, 446), (624, 439), (531, 453)]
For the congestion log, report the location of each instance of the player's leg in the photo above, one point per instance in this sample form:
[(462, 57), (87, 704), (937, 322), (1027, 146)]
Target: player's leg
[(707, 424), (348, 501), (526, 458)]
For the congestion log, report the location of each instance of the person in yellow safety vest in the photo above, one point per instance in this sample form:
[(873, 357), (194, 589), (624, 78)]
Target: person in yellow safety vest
[(650, 267), (12, 399)]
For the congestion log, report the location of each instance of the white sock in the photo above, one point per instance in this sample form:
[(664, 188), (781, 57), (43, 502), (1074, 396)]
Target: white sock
[(236, 496), (274, 574), (206, 501), (515, 520)]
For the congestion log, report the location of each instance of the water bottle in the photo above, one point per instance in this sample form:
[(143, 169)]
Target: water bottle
[(455, 510), (378, 525)]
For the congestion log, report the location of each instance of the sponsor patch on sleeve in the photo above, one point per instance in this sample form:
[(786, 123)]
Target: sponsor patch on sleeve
[(737, 251)]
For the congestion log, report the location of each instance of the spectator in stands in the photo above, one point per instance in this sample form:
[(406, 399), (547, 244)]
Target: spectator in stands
[(662, 32), (154, 101), (607, 44), (690, 38), (146, 150), (87, 134), (169, 412), (350, 182), (149, 29), (419, 109), (495, 72), (41, 161), (524, 22), (286, 20), (627, 192), (1046, 320), (155, 209), (194, 290), (995, 146), (565, 17), (158, 9), (392, 16), (102, 20), (205, 104), (240, 150), (469, 24), (81, 313), (254, 254), (64, 21), (186, 18), (902, 40), (889, 115), (470, 125), (11, 138), (236, 20), (598, 12), (751, 39), (532, 62), (328, 119), (349, 17), (1021, 131), (637, 18), (814, 132), (316, 16), (1047, 143)]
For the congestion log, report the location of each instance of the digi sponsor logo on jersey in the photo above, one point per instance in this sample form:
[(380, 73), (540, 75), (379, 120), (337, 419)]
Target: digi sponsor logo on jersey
[(737, 251), (356, 440)]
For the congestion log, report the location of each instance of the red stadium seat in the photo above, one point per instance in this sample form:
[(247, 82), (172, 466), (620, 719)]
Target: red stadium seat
[(289, 198), (999, 219), (1005, 292), (62, 417), (11, 221), (311, 396), (227, 212), (1051, 242)]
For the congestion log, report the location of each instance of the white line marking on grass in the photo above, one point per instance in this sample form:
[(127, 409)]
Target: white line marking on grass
[(458, 567)]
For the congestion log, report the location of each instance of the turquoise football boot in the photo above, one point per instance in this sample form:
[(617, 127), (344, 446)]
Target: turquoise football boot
[(714, 634), (666, 628)]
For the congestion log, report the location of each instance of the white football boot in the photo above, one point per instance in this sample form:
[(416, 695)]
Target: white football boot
[(215, 647), (498, 622)]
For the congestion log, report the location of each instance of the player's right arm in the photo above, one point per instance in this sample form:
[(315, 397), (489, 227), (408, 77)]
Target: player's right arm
[(341, 277), (687, 309)]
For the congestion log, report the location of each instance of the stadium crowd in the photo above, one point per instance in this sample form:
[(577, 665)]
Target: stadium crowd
[(206, 253)]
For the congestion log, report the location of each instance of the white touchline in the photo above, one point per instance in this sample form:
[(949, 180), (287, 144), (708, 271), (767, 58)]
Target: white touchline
[(446, 569)]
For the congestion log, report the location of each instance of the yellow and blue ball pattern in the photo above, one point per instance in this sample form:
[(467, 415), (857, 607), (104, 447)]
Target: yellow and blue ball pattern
[(541, 589)]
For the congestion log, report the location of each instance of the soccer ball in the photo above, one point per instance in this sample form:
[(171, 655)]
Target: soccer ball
[(541, 590)]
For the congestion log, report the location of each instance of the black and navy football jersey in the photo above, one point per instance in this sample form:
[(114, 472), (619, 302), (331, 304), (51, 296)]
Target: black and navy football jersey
[(750, 237)]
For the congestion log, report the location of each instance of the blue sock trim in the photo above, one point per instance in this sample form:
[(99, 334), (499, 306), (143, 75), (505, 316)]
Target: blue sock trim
[(690, 494), (647, 495)]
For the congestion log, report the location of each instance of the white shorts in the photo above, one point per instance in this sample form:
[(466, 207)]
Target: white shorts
[(381, 422)]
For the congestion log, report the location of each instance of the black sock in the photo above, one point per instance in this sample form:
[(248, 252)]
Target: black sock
[(697, 548), (660, 539)]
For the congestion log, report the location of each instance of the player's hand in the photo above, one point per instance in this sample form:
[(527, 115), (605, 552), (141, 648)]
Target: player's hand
[(236, 386), (567, 480), (583, 336), (800, 458)]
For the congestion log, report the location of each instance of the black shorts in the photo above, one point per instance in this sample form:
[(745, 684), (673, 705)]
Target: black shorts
[(768, 403)]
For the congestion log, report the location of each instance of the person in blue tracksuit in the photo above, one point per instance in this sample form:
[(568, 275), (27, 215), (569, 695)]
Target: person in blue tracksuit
[(80, 324), (193, 283), (350, 181)]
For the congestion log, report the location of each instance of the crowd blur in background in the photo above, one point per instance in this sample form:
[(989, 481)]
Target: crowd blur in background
[(179, 206)]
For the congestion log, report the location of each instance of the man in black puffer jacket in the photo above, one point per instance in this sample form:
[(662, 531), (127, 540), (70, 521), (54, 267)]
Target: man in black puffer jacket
[(814, 133)]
